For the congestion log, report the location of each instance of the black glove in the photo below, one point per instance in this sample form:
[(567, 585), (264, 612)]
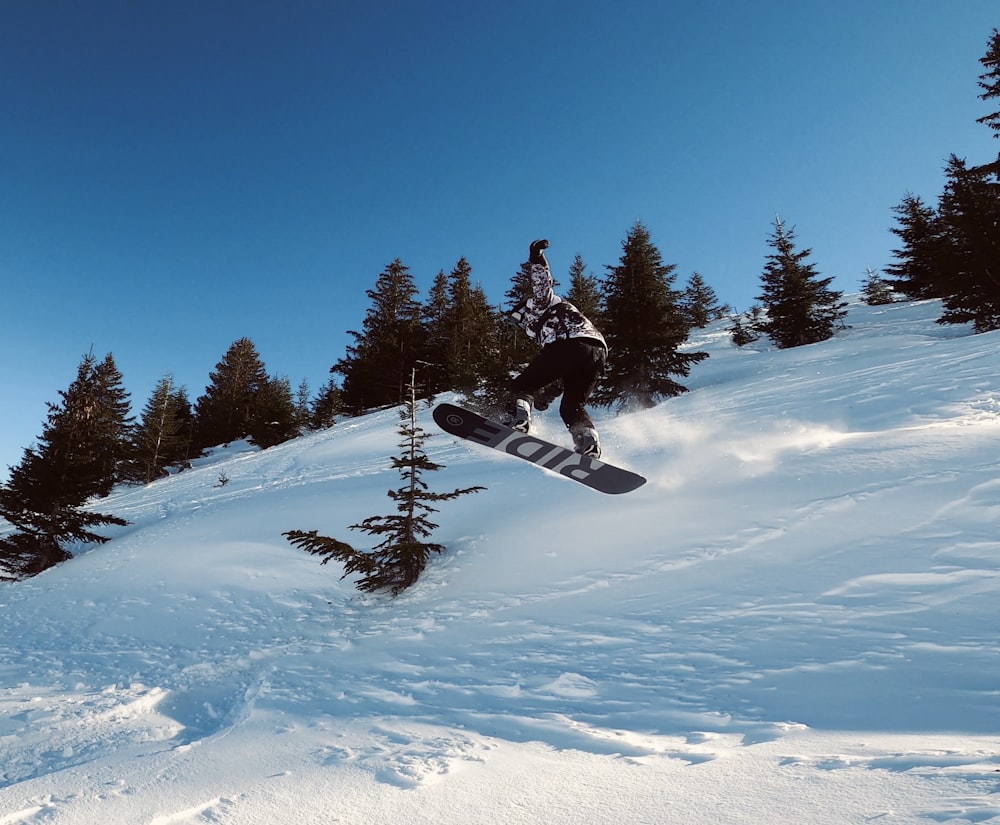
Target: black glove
[(536, 252)]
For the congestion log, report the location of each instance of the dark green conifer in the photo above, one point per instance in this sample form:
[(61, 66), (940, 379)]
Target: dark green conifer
[(162, 436), (644, 327), (469, 346), (989, 82), (78, 457), (376, 368), (397, 561), (325, 407), (969, 261), (915, 272), (302, 406), (745, 328), (800, 306), (225, 412), (875, 291), (435, 315), (700, 304), (113, 424), (275, 417), (584, 290)]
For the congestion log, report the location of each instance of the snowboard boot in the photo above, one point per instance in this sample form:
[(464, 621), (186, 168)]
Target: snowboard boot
[(522, 416), (536, 253), (586, 441)]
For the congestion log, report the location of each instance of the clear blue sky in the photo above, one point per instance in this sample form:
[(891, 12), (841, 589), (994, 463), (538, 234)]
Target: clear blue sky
[(178, 175)]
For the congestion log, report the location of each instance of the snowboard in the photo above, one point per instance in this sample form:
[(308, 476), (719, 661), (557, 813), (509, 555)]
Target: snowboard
[(591, 472)]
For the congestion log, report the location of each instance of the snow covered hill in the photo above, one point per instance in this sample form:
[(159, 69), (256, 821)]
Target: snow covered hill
[(794, 621)]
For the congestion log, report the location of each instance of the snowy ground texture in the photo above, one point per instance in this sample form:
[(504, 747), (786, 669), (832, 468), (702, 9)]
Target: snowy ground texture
[(795, 621)]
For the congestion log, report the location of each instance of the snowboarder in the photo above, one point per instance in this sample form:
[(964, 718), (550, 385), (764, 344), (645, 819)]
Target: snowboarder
[(573, 353)]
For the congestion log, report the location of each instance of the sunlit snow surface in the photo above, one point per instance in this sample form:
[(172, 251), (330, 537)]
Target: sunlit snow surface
[(795, 621)]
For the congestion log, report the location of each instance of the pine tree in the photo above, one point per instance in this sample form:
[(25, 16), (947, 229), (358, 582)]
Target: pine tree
[(745, 328), (801, 308), (461, 333), (875, 291), (78, 457), (396, 562), (302, 406), (275, 417), (325, 406), (584, 291), (376, 367), (644, 327), (162, 436), (989, 82), (915, 273), (225, 412), (969, 260), (435, 312), (184, 411), (112, 424), (469, 331), (700, 304)]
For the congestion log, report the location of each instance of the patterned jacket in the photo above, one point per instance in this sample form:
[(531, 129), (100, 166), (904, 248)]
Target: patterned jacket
[(546, 317)]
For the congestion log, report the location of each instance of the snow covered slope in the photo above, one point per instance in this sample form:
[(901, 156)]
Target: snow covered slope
[(794, 621)]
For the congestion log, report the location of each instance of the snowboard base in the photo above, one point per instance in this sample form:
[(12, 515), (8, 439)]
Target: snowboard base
[(591, 472)]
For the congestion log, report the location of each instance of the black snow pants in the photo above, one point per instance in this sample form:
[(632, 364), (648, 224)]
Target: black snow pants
[(577, 362)]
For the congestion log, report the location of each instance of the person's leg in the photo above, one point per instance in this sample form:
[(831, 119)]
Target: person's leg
[(546, 368), (547, 394), (583, 368)]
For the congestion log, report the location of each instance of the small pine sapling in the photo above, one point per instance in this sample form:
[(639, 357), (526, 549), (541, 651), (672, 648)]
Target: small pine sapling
[(398, 560), (875, 290), (746, 327)]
